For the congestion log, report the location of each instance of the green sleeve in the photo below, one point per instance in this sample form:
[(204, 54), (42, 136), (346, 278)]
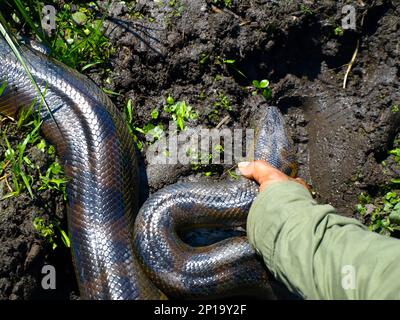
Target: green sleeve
[(317, 253)]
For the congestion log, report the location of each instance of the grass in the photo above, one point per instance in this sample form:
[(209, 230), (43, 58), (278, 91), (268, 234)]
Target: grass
[(18, 171), (79, 42), (15, 164), (382, 213)]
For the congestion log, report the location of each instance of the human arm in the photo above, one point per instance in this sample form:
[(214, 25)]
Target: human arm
[(312, 250)]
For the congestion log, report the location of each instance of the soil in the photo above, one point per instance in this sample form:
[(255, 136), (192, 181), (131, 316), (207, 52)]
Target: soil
[(342, 134)]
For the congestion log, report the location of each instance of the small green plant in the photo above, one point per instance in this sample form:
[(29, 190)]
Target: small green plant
[(80, 41), (339, 31), (177, 7), (232, 173), (395, 108), (181, 112), (19, 165), (223, 102), (223, 3), (17, 159), (204, 58), (306, 9), (54, 179), (51, 232), (263, 88), (151, 131), (228, 63), (382, 214), (3, 88)]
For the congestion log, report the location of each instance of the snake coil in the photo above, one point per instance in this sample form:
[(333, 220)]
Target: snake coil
[(97, 153)]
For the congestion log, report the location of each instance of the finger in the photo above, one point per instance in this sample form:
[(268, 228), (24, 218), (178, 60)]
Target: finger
[(258, 170)]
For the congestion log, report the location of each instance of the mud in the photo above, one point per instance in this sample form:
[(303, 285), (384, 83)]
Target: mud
[(342, 134)]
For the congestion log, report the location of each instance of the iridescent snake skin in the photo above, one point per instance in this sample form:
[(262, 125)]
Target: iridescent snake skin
[(119, 253)]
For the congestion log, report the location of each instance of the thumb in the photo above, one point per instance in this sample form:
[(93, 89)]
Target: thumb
[(246, 169), (262, 172), (258, 170)]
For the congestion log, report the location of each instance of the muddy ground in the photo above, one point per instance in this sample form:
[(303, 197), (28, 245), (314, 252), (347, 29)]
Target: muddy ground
[(342, 134)]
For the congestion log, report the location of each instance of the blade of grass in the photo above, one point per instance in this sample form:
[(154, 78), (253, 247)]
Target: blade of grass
[(29, 21), (3, 88), (13, 46)]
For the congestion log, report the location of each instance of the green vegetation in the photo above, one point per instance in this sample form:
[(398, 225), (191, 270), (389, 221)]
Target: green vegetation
[(223, 3), (204, 58), (51, 232), (177, 7), (17, 160), (221, 103), (181, 112), (54, 178), (78, 40), (228, 63), (339, 31), (306, 9), (17, 171), (382, 214), (263, 88), (16, 166)]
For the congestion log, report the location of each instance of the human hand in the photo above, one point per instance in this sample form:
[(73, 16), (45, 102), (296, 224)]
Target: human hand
[(265, 174)]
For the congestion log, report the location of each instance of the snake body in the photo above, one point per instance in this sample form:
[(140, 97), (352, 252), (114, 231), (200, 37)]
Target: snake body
[(111, 261)]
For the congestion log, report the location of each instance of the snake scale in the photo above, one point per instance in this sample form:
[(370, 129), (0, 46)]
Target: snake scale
[(119, 251)]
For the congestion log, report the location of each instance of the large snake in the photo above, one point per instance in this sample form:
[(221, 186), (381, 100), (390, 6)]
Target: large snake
[(114, 256)]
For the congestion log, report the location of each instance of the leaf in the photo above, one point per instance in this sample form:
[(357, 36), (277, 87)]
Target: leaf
[(89, 65), (390, 195), (181, 123), (395, 180), (79, 17), (108, 91), (65, 239), (41, 145), (267, 94), (264, 84), (3, 87), (154, 114), (256, 84), (181, 109), (129, 110), (55, 168), (170, 100), (233, 174)]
